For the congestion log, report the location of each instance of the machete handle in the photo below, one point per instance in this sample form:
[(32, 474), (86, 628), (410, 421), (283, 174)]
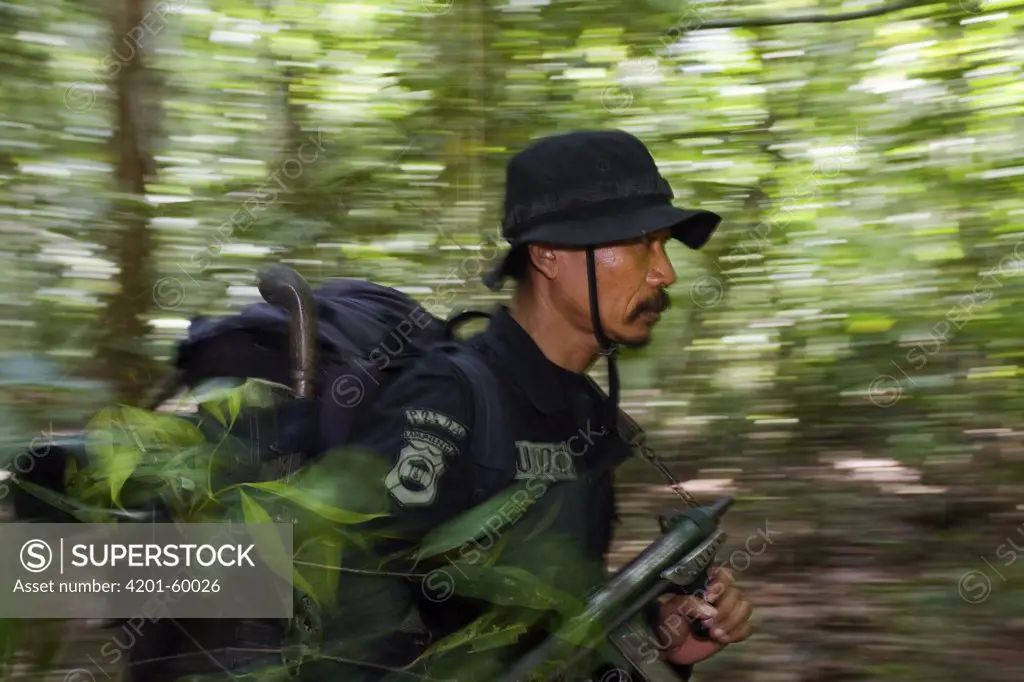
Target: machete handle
[(284, 288)]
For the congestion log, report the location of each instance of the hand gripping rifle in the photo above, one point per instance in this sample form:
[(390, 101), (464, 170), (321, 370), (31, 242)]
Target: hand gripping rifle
[(675, 563)]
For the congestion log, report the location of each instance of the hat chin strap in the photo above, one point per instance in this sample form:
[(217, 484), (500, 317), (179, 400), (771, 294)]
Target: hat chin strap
[(607, 347)]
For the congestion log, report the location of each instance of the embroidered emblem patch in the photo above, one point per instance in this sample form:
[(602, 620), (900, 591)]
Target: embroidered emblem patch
[(544, 460), (414, 478), (430, 418)]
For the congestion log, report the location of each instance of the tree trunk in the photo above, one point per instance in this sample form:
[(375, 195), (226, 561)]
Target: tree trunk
[(121, 355)]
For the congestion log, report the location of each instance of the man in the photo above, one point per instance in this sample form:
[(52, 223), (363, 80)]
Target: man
[(587, 216)]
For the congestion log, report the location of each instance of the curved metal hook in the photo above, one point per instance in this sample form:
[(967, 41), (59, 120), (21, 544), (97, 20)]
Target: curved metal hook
[(283, 287)]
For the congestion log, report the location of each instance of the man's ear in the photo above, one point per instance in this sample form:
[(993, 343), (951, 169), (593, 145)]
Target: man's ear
[(544, 259)]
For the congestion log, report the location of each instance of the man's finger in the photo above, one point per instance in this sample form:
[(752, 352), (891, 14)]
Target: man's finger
[(734, 636), (721, 574), (713, 592), (727, 603), (732, 623), (693, 608), (721, 580)]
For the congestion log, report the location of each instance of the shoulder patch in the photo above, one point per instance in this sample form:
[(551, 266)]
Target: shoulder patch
[(414, 478), (438, 420)]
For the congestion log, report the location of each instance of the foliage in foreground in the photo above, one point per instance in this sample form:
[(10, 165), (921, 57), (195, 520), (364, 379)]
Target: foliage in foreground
[(194, 466)]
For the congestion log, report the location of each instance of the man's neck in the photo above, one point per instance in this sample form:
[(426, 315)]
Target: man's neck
[(559, 341)]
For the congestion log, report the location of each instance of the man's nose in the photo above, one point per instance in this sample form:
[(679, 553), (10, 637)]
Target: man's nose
[(662, 273)]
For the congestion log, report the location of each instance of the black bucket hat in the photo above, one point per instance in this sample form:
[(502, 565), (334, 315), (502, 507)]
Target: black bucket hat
[(590, 188)]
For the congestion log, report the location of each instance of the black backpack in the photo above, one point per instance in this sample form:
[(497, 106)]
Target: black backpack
[(366, 334)]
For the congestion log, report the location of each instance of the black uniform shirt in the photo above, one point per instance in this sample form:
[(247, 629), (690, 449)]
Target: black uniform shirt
[(555, 418), (423, 425)]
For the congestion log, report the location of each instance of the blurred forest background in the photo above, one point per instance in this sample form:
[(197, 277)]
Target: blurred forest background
[(844, 356)]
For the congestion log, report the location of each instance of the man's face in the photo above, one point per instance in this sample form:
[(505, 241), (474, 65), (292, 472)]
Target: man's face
[(631, 282)]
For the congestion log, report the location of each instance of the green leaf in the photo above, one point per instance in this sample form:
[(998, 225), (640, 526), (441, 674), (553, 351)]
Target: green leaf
[(545, 522), (303, 585), (511, 586), (491, 557), (120, 439), (234, 404), (489, 517), (214, 408), (298, 496), (94, 490), (224, 399), (499, 638), (462, 636), (491, 630), (583, 631), (81, 511), (319, 560), (270, 545), (114, 448)]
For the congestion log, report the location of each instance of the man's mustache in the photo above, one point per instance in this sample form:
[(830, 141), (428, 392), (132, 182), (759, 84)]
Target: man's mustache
[(658, 303)]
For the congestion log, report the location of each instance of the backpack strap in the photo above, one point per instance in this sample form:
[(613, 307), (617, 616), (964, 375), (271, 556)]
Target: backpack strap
[(492, 435)]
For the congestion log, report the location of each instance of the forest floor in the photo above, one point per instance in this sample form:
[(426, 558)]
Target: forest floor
[(850, 579), (869, 575)]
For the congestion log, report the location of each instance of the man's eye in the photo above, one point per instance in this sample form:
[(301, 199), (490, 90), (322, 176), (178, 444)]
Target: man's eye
[(651, 240)]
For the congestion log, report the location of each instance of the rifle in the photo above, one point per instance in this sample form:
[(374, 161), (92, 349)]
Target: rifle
[(676, 563)]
